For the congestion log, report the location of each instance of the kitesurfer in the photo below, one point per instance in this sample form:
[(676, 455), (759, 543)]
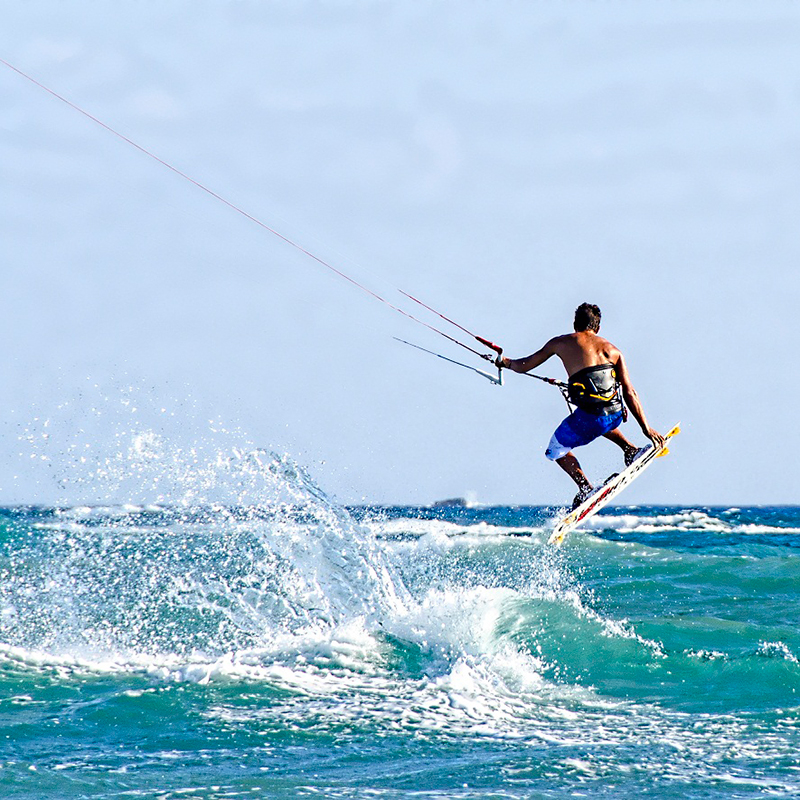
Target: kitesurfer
[(600, 389)]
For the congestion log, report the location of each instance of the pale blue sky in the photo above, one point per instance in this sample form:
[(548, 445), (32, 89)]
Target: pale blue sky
[(503, 161)]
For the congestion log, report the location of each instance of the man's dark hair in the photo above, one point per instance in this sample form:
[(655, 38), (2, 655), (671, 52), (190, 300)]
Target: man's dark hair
[(587, 317)]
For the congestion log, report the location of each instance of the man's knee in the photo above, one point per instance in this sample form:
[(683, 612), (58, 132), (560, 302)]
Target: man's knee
[(556, 450)]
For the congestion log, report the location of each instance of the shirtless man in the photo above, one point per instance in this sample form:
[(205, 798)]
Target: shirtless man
[(596, 372)]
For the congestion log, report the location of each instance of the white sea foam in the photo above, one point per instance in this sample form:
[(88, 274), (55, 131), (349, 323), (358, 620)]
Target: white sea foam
[(240, 548), (776, 650), (447, 534), (443, 531), (689, 520), (680, 520)]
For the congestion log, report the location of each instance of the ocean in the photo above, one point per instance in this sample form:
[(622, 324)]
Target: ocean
[(288, 646)]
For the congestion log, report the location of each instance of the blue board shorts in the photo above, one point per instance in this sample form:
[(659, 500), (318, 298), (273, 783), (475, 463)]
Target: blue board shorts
[(578, 429)]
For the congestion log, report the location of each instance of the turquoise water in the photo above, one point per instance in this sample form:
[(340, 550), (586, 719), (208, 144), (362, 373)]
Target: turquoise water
[(294, 648)]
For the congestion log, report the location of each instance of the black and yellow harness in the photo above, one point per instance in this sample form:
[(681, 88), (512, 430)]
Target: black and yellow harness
[(595, 390)]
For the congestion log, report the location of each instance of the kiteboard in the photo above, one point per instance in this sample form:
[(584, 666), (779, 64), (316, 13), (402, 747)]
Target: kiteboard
[(609, 490)]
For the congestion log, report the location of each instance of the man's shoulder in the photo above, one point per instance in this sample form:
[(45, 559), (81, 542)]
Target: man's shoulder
[(614, 354), (596, 345), (612, 348), (562, 339)]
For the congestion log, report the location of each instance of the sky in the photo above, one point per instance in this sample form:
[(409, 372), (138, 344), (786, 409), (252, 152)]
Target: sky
[(503, 162)]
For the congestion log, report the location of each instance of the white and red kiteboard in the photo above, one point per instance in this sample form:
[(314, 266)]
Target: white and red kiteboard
[(608, 491)]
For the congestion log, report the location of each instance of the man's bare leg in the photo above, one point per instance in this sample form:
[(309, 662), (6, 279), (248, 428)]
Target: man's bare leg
[(627, 447), (572, 467)]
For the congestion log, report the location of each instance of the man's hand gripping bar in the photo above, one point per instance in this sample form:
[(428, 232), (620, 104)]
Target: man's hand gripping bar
[(498, 360)]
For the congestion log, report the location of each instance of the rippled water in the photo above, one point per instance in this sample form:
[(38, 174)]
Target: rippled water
[(297, 648)]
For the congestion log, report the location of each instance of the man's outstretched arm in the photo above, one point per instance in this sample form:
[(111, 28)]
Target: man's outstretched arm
[(529, 362), (632, 401)]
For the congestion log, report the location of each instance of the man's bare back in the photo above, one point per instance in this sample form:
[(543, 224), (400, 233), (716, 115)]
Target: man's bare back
[(582, 349)]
